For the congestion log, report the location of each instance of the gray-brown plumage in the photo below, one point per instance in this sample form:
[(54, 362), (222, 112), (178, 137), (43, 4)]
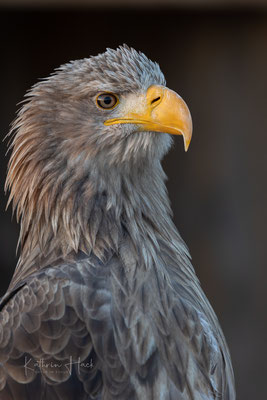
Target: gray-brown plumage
[(104, 302)]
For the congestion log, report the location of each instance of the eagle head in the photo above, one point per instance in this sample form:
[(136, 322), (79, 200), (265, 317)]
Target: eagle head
[(90, 121)]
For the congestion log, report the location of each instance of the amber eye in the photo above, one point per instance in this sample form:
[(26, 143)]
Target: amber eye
[(107, 100)]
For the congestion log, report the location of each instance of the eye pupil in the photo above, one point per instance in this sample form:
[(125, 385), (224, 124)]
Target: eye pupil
[(106, 100)]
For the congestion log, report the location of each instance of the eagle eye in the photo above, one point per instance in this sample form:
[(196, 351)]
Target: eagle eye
[(107, 100)]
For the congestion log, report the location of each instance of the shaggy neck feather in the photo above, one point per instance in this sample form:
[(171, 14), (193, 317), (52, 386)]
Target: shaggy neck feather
[(94, 213)]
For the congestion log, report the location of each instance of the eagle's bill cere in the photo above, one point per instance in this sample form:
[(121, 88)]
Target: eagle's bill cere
[(159, 110), (104, 303)]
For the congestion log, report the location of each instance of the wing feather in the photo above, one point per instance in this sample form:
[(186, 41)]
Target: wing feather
[(113, 330), (42, 336)]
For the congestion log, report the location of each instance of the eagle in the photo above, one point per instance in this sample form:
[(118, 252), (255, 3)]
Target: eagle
[(104, 302)]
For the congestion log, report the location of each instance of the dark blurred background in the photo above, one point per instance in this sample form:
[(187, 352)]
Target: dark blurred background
[(214, 54)]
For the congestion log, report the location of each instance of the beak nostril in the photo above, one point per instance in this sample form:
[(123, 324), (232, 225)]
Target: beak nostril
[(155, 100)]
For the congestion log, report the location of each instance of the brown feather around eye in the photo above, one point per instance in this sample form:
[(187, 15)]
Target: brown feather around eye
[(104, 302)]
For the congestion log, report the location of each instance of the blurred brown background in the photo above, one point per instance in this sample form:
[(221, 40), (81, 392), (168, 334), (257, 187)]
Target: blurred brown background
[(214, 54)]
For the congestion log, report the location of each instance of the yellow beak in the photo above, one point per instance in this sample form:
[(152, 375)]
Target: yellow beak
[(160, 110)]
